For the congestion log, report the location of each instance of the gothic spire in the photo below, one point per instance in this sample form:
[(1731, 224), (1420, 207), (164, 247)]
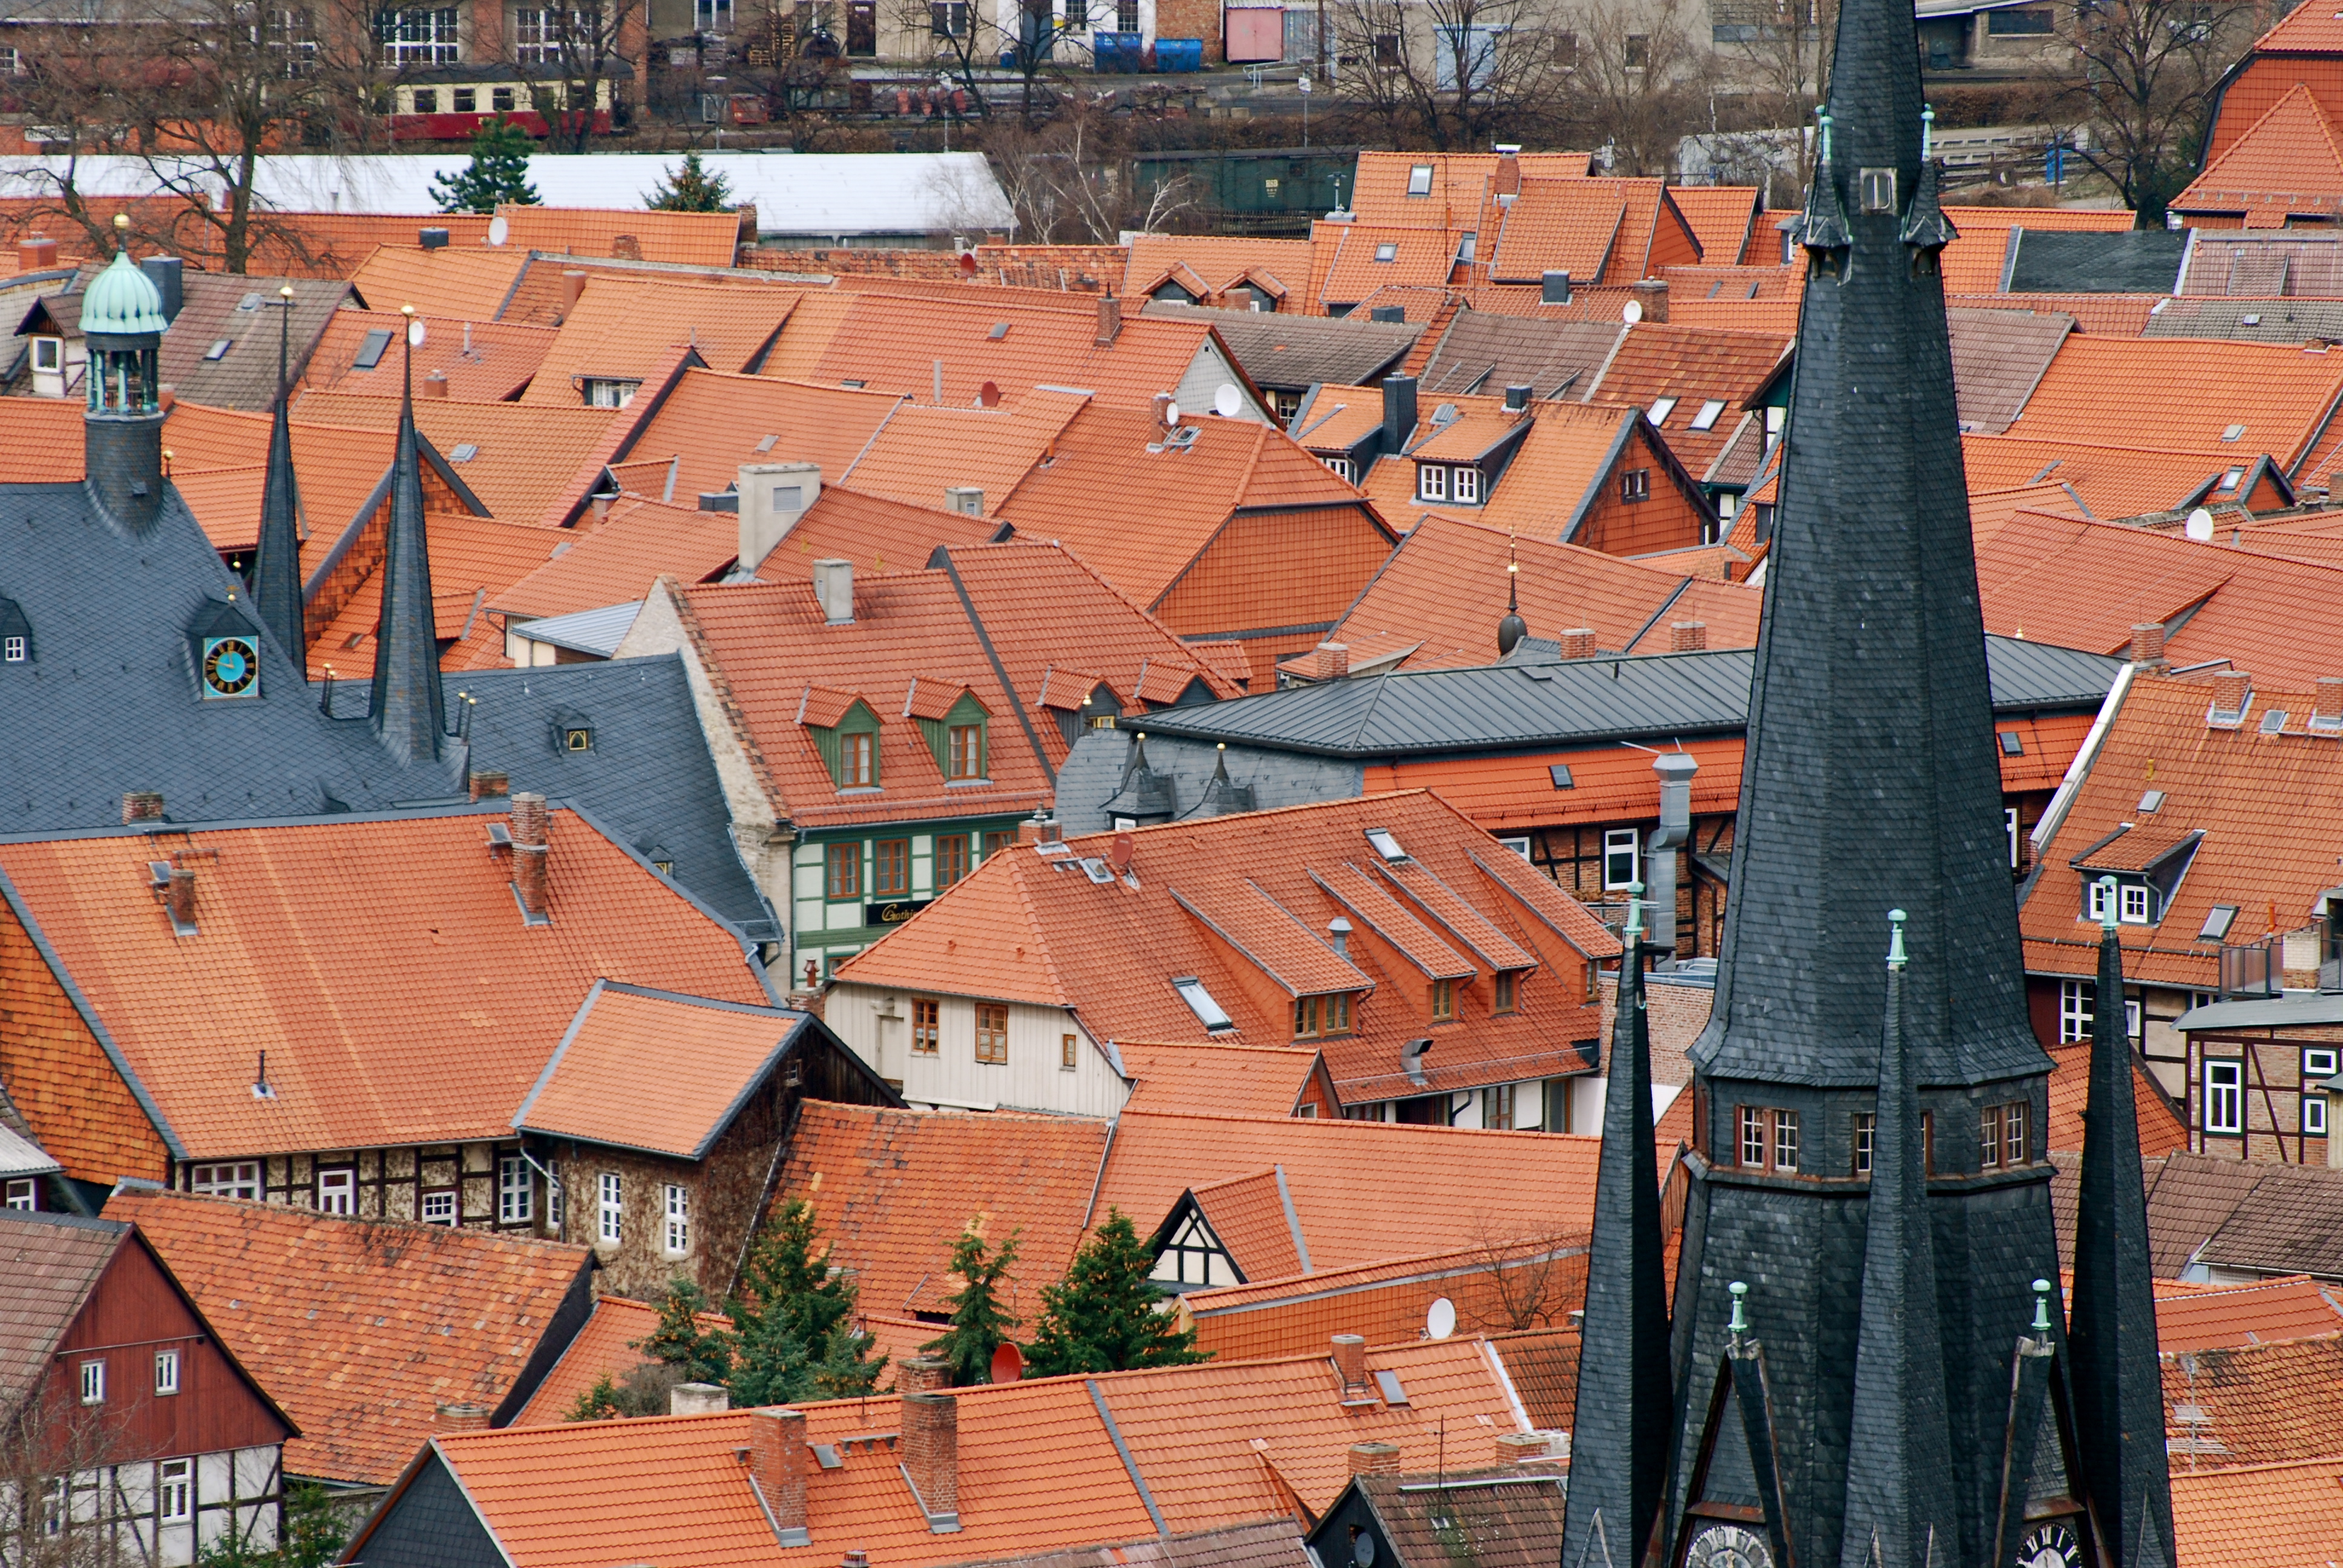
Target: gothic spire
[(277, 571), (1899, 1495), (1513, 629), (1626, 1422), (2111, 1329), (406, 706)]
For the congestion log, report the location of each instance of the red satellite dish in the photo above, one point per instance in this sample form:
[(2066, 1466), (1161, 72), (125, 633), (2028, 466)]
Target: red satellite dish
[(1008, 1364)]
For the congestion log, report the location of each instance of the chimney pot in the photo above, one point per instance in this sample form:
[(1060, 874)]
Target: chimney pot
[(1651, 293), (2148, 645), (182, 895), (1338, 932), (923, 1374), (529, 851), (1375, 1459), (573, 284), (142, 806), (1330, 661), (1521, 1447), (931, 1452), (1109, 320), (2232, 689), (698, 1398), (1578, 642), (1399, 413), (36, 252), (833, 586), (1687, 636), (461, 1418), (777, 1461), (771, 498), (966, 499), (490, 783), (1350, 1360)]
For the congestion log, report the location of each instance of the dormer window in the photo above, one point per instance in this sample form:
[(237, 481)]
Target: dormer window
[(1210, 1013), (1443, 1002), (965, 751), (576, 737), (2136, 901), (857, 766), (16, 634), (1316, 1016), (957, 740), (1506, 992), (231, 667)]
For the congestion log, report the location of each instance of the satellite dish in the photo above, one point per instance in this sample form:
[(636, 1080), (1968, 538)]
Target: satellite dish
[(1362, 1549), (415, 332), (2200, 526), (1171, 415), (1631, 312), (1008, 1364), (1441, 1321), (1226, 401), (499, 230)]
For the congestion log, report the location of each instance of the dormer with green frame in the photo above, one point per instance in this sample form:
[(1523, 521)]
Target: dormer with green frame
[(961, 739), (846, 732)]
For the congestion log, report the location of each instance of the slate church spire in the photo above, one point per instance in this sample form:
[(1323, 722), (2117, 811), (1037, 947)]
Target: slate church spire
[(277, 570), (406, 706), (2111, 1328), (1620, 1445)]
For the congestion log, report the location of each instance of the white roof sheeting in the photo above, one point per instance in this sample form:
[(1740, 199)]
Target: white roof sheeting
[(813, 194), (20, 1156)]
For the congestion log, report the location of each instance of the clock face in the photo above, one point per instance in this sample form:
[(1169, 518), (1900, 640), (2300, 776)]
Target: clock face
[(1728, 1547), (231, 666), (2050, 1546)]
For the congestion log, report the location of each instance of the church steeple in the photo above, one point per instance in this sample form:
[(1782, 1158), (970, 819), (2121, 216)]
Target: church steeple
[(1619, 1447), (277, 570), (2111, 1328), (406, 706)]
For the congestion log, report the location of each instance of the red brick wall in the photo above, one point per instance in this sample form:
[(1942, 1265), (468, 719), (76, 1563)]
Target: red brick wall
[(77, 1105), (1191, 19)]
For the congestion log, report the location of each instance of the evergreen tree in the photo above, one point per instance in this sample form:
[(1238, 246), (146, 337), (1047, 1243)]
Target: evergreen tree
[(497, 175), (1103, 1316), (793, 1319), (697, 1355), (979, 1326), (600, 1402), (691, 188)]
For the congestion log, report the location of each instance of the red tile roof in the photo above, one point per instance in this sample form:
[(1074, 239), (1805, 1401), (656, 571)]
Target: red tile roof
[(482, 361), (711, 423), (630, 234), (923, 450), (41, 441), (2111, 480), (1723, 218), (1228, 1080), (623, 324), (473, 560), (1695, 366), (1385, 1303), (1281, 267), (346, 1321), (2161, 1130), (324, 941), (1240, 903), (2191, 392), (2258, 1516), (2252, 1404), (460, 282), (522, 456), (2288, 163), (1459, 187), (2212, 1317), (607, 1346), (1361, 259)]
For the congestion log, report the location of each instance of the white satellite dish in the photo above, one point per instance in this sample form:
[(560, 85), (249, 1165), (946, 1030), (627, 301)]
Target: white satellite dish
[(499, 230), (1631, 312), (415, 332), (1226, 401), (1441, 1321), (2200, 526), (1170, 416)]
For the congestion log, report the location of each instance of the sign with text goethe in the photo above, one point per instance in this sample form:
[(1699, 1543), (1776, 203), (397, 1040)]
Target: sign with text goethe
[(894, 912)]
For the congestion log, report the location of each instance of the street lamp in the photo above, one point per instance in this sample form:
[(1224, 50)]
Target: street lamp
[(1301, 84)]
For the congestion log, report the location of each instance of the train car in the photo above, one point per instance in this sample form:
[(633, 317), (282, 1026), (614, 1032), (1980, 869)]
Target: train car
[(449, 104)]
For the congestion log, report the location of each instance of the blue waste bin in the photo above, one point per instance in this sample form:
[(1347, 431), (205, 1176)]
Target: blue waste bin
[(1179, 54), (1117, 52)]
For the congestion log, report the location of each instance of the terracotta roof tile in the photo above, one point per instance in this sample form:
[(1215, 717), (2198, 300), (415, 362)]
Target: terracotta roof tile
[(473, 560), (1364, 259), (923, 450), (339, 470), (1999, 357), (1247, 1215), (2114, 315), (2100, 481), (605, 1347), (2189, 391), (294, 957), (1230, 1079), (689, 238), (1485, 352), (1723, 218), (336, 243), (1219, 262), (1385, 1303), (2161, 1130), (616, 560), (621, 325), (2252, 1404), (1459, 186), (1695, 366), (2258, 1516), (2286, 164), (465, 284), (2213, 1317), (41, 441), (521, 457), (346, 1317), (1558, 226), (48, 1272), (711, 423), (483, 361)]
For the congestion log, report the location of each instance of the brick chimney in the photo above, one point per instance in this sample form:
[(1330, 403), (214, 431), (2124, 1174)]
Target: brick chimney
[(490, 783), (923, 1374), (182, 898), (1578, 642), (1651, 293), (142, 806), (1039, 830), (2327, 703), (1521, 1447), (1163, 404), (460, 1418), (698, 1398), (1350, 1360), (1687, 636), (2232, 689), (931, 1455), (776, 1462), (36, 252), (2148, 645), (1509, 172), (435, 385), (1109, 326), (529, 851), (573, 284), (1330, 661), (1375, 1459)]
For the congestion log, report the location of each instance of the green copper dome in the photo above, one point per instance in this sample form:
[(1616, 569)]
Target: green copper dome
[(122, 300)]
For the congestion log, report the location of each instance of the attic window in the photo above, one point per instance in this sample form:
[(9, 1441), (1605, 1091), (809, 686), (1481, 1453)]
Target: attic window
[(1199, 1001), (2217, 923), (2013, 744), (577, 737), (1560, 773), (1419, 180), (2229, 480), (464, 454), (999, 329), (1385, 845), (2233, 432), (2151, 803), (1661, 408), (219, 350), (1709, 413), (1387, 251), (370, 350)]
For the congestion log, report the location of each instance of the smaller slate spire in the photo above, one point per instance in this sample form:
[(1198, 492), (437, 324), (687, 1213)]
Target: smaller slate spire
[(2111, 1329), (1513, 629), (277, 571), (1626, 1385), (1900, 1504), (406, 706)]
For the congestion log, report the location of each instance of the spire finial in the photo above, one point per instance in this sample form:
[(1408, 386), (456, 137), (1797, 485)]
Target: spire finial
[(1635, 928), (1928, 129), (1740, 1323), (1822, 121), (1512, 628), (1896, 919), (2041, 1307), (2107, 905)]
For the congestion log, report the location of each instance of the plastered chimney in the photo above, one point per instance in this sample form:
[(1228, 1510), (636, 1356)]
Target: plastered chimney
[(698, 1398), (1521, 1447), (36, 252), (573, 284), (833, 589), (777, 1461), (772, 496)]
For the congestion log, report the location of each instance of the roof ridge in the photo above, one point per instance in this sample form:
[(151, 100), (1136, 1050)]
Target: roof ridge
[(1345, 803)]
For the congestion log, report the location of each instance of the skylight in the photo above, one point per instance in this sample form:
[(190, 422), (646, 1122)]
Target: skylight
[(2229, 480), (1709, 413), (1385, 845), (2013, 744), (370, 350), (2217, 922), (2233, 432), (2151, 803), (1389, 1382), (1419, 180), (1208, 1013), (217, 350), (1560, 773), (1387, 251), (1662, 409)]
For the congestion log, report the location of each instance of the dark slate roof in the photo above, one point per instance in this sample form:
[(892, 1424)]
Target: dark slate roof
[(1507, 706), (109, 702), (1483, 351), (2089, 261), (2248, 320), (1278, 349)]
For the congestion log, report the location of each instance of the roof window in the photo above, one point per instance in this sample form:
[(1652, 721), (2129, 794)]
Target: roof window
[(1388, 1381), (2233, 432), (1387, 251), (250, 302), (2013, 744), (2229, 480), (1385, 845), (1709, 413), (1419, 180), (1208, 1013), (465, 453), (2273, 720), (2217, 923), (999, 329), (1661, 408), (1560, 773), (219, 350), (370, 350), (2151, 803)]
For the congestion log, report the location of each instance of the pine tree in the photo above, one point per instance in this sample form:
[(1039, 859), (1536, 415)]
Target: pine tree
[(979, 1326), (792, 1320), (697, 1355), (1103, 1316), (496, 176), (691, 188), (600, 1402)]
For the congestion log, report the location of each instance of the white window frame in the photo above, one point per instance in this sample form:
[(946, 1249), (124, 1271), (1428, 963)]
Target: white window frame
[(1340, 468), (23, 1194), (2009, 827), (609, 392), (678, 1238), (228, 1178), (516, 1191), (440, 1208), (337, 1191), (2314, 1113), (175, 1490), (2223, 1098), (167, 1372), (2077, 1005), (49, 354), (2134, 906), (1660, 409), (1464, 485), (610, 1211), (1430, 482), (1616, 842), (92, 1381), (421, 35), (1419, 180), (2321, 1061), (537, 37), (2095, 899), (1705, 419), (713, 16)]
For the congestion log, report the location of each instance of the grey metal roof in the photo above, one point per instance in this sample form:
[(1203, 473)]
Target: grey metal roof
[(2092, 261), (1278, 349), (2265, 1012), (598, 632), (1506, 706), (20, 1156)]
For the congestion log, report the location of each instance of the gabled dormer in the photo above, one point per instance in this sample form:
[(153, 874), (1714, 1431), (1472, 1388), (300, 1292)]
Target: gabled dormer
[(16, 637), (957, 727), (845, 730)]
